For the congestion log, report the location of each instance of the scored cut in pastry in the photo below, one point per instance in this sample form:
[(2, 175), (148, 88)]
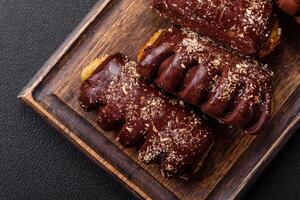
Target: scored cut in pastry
[(168, 132), (249, 26), (232, 89)]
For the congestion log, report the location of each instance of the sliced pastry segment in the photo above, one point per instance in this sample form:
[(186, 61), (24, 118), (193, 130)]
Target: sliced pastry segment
[(249, 26), (166, 131), (233, 89)]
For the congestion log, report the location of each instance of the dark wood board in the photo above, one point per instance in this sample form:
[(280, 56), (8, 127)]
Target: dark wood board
[(124, 26)]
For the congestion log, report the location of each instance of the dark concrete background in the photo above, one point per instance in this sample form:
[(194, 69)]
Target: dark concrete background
[(35, 161)]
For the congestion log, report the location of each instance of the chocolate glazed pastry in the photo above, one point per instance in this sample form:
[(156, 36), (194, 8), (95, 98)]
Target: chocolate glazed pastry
[(170, 134), (244, 25), (232, 89)]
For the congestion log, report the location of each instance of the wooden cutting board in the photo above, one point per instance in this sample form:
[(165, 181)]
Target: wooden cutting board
[(124, 26)]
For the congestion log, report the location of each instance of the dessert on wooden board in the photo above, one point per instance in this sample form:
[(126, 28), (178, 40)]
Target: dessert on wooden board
[(236, 159), (249, 26), (168, 132), (217, 77), (235, 90)]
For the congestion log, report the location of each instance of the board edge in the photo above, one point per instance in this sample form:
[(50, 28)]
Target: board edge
[(64, 47), (83, 147)]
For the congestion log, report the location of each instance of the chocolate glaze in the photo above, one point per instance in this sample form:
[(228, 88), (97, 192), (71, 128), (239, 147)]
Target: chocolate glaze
[(170, 133), (234, 90), (243, 25)]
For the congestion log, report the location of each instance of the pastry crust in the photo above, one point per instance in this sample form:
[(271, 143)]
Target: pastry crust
[(232, 89), (270, 44), (244, 25), (170, 133)]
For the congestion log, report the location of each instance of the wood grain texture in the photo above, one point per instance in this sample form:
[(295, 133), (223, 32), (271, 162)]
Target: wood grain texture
[(124, 26)]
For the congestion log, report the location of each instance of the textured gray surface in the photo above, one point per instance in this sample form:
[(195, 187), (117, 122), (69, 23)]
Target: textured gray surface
[(35, 161)]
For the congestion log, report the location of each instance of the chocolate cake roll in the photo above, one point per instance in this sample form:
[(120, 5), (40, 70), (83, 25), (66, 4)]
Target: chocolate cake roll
[(232, 89), (249, 26), (169, 133)]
